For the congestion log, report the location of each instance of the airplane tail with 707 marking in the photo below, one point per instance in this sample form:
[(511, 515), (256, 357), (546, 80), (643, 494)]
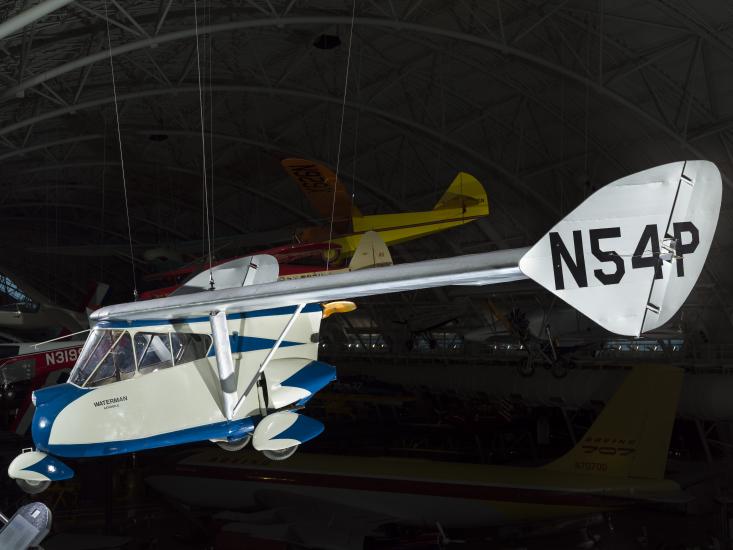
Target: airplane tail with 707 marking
[(235, 364), (619, 462)]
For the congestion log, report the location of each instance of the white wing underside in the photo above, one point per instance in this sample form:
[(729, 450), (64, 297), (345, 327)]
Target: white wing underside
[(475, 269)]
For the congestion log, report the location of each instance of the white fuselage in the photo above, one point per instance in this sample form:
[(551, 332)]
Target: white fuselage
[(129, 414)]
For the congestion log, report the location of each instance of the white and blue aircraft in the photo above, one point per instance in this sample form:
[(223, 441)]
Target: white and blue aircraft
[(237, 364)]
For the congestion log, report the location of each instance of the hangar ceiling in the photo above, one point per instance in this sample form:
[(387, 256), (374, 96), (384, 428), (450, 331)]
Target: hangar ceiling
[(542, 101)]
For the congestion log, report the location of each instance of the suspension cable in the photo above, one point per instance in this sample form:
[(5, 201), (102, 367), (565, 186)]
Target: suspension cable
[(122, 158), (211, 122), (354, 177), (203, 147), (341, 133)]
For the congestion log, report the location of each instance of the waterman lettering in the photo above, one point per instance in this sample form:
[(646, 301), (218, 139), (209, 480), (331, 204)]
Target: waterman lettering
[(113, 401)]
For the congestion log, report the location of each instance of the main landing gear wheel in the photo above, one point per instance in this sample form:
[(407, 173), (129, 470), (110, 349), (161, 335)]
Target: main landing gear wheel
[(234, 445), (32, 487), (282, 454)]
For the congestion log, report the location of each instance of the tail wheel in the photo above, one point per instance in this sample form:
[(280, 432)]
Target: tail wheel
[(234, 446), (282, 454), (32, 487)]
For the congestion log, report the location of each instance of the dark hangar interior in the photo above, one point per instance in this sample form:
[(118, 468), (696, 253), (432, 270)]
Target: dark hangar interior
[(146, 145)]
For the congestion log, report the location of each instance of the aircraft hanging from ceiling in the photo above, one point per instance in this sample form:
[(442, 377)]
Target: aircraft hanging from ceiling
[(236, 364), (463, 202), (25, 367)]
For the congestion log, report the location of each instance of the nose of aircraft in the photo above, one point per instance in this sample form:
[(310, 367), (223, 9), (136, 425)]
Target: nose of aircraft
[(49, 403)]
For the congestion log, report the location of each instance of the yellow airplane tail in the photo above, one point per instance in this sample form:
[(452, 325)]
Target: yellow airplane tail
[(463, 202), (465, 193), (630, 437)]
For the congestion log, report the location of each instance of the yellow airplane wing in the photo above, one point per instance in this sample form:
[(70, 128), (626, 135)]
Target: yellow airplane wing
[(325, 193)]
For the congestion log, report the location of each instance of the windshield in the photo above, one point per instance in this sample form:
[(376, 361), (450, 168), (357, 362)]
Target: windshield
[(95, 349)]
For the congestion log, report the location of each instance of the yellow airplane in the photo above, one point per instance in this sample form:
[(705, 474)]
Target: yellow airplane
[(463, 202), (619, 462)]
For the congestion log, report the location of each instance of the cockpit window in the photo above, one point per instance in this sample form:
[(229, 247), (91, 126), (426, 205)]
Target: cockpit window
[(153, 351), (190, 347), (95, 349), (118, 364)]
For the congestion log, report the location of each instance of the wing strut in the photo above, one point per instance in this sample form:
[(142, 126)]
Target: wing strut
[(269, 356), (224, 361)]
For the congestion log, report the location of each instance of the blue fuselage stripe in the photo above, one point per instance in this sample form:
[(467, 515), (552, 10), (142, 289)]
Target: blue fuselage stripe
[(243, 344)]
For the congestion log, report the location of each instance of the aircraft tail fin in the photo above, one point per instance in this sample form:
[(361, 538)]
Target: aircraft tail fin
[(630, 437), (467, 193), (630, 254), (96, 297), (371, 252)]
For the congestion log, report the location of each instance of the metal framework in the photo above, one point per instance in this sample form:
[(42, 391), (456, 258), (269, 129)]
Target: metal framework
[(542, 101)]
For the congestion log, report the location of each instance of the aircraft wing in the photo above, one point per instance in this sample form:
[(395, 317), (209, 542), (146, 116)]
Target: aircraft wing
[(307, 520), (627, 258), (325, 193), (476, 269)]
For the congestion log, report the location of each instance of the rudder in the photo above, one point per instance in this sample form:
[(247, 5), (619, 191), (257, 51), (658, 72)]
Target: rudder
[(467, 193), (631, 435)]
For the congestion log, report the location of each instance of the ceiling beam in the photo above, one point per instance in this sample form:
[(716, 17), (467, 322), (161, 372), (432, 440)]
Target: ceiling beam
[(14, 24)]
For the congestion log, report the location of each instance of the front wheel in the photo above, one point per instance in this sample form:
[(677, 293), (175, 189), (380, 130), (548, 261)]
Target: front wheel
[(234, 446), (282, 454), (32, 487)]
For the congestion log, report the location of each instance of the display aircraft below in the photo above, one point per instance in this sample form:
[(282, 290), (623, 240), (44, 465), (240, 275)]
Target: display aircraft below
[(335, 502), (238, 364)]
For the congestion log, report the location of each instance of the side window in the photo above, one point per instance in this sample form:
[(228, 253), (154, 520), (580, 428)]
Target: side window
[(153, 352), (189, 347), (119, 364)]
